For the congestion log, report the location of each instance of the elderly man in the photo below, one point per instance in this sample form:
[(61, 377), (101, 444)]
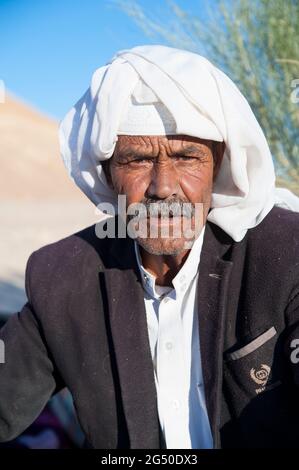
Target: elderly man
[(174, 321)]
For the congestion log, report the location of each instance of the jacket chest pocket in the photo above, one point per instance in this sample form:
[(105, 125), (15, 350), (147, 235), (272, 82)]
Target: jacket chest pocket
[(261, 405), (250, 370)]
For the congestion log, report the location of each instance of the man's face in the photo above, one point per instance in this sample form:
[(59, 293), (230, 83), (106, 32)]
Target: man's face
[(166, 169)]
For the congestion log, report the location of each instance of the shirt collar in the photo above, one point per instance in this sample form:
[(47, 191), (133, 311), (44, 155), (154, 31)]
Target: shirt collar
[(183, 278)]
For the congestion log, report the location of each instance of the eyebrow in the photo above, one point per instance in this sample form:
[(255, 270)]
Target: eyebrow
[(191, 149)]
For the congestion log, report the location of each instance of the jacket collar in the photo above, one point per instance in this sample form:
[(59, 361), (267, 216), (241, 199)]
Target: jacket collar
[(213, 282)]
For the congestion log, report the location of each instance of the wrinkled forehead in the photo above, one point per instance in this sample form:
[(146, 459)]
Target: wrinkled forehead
[(153, 144)]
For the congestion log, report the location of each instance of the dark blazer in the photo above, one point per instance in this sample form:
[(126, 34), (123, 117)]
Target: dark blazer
[(84, 327)]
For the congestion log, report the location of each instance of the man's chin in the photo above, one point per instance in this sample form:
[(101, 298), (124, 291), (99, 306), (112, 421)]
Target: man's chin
[(164, 246)]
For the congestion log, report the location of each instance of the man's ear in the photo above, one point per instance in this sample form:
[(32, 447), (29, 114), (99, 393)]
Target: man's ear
[(218, 149)]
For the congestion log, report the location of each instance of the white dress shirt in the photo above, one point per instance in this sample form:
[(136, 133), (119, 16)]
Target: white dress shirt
[(174, 341)]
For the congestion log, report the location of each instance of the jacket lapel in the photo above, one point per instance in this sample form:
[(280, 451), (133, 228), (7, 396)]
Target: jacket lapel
[(132, 349), (213, 282)]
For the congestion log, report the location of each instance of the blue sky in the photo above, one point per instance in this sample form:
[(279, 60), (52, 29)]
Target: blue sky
[(49, 48)]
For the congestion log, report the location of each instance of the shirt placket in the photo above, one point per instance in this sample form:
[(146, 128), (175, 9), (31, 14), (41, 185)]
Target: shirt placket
[(171, 374)]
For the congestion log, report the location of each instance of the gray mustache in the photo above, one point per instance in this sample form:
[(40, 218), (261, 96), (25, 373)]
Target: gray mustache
[(166, 209)]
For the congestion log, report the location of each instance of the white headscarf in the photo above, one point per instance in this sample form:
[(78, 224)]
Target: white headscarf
[(204, 103)]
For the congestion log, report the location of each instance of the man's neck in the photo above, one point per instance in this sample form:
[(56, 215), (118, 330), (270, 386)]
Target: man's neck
[(163, 267)]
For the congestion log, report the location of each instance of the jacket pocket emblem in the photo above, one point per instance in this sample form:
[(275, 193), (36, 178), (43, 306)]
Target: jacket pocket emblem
[(260, 376)]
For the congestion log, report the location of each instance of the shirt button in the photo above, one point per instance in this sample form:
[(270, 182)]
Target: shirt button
[(183, 278), (169, 345), (176, 404), (166, 299)]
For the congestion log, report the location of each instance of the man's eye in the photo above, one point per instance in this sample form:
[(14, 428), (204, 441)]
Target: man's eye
[(141, 160), (185, 157)]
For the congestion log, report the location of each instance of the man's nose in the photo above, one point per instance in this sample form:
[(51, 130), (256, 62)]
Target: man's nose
[(164, 181)]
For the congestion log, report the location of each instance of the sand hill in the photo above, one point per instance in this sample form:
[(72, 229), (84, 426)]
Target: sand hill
[(38, 201), (31, 167)]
